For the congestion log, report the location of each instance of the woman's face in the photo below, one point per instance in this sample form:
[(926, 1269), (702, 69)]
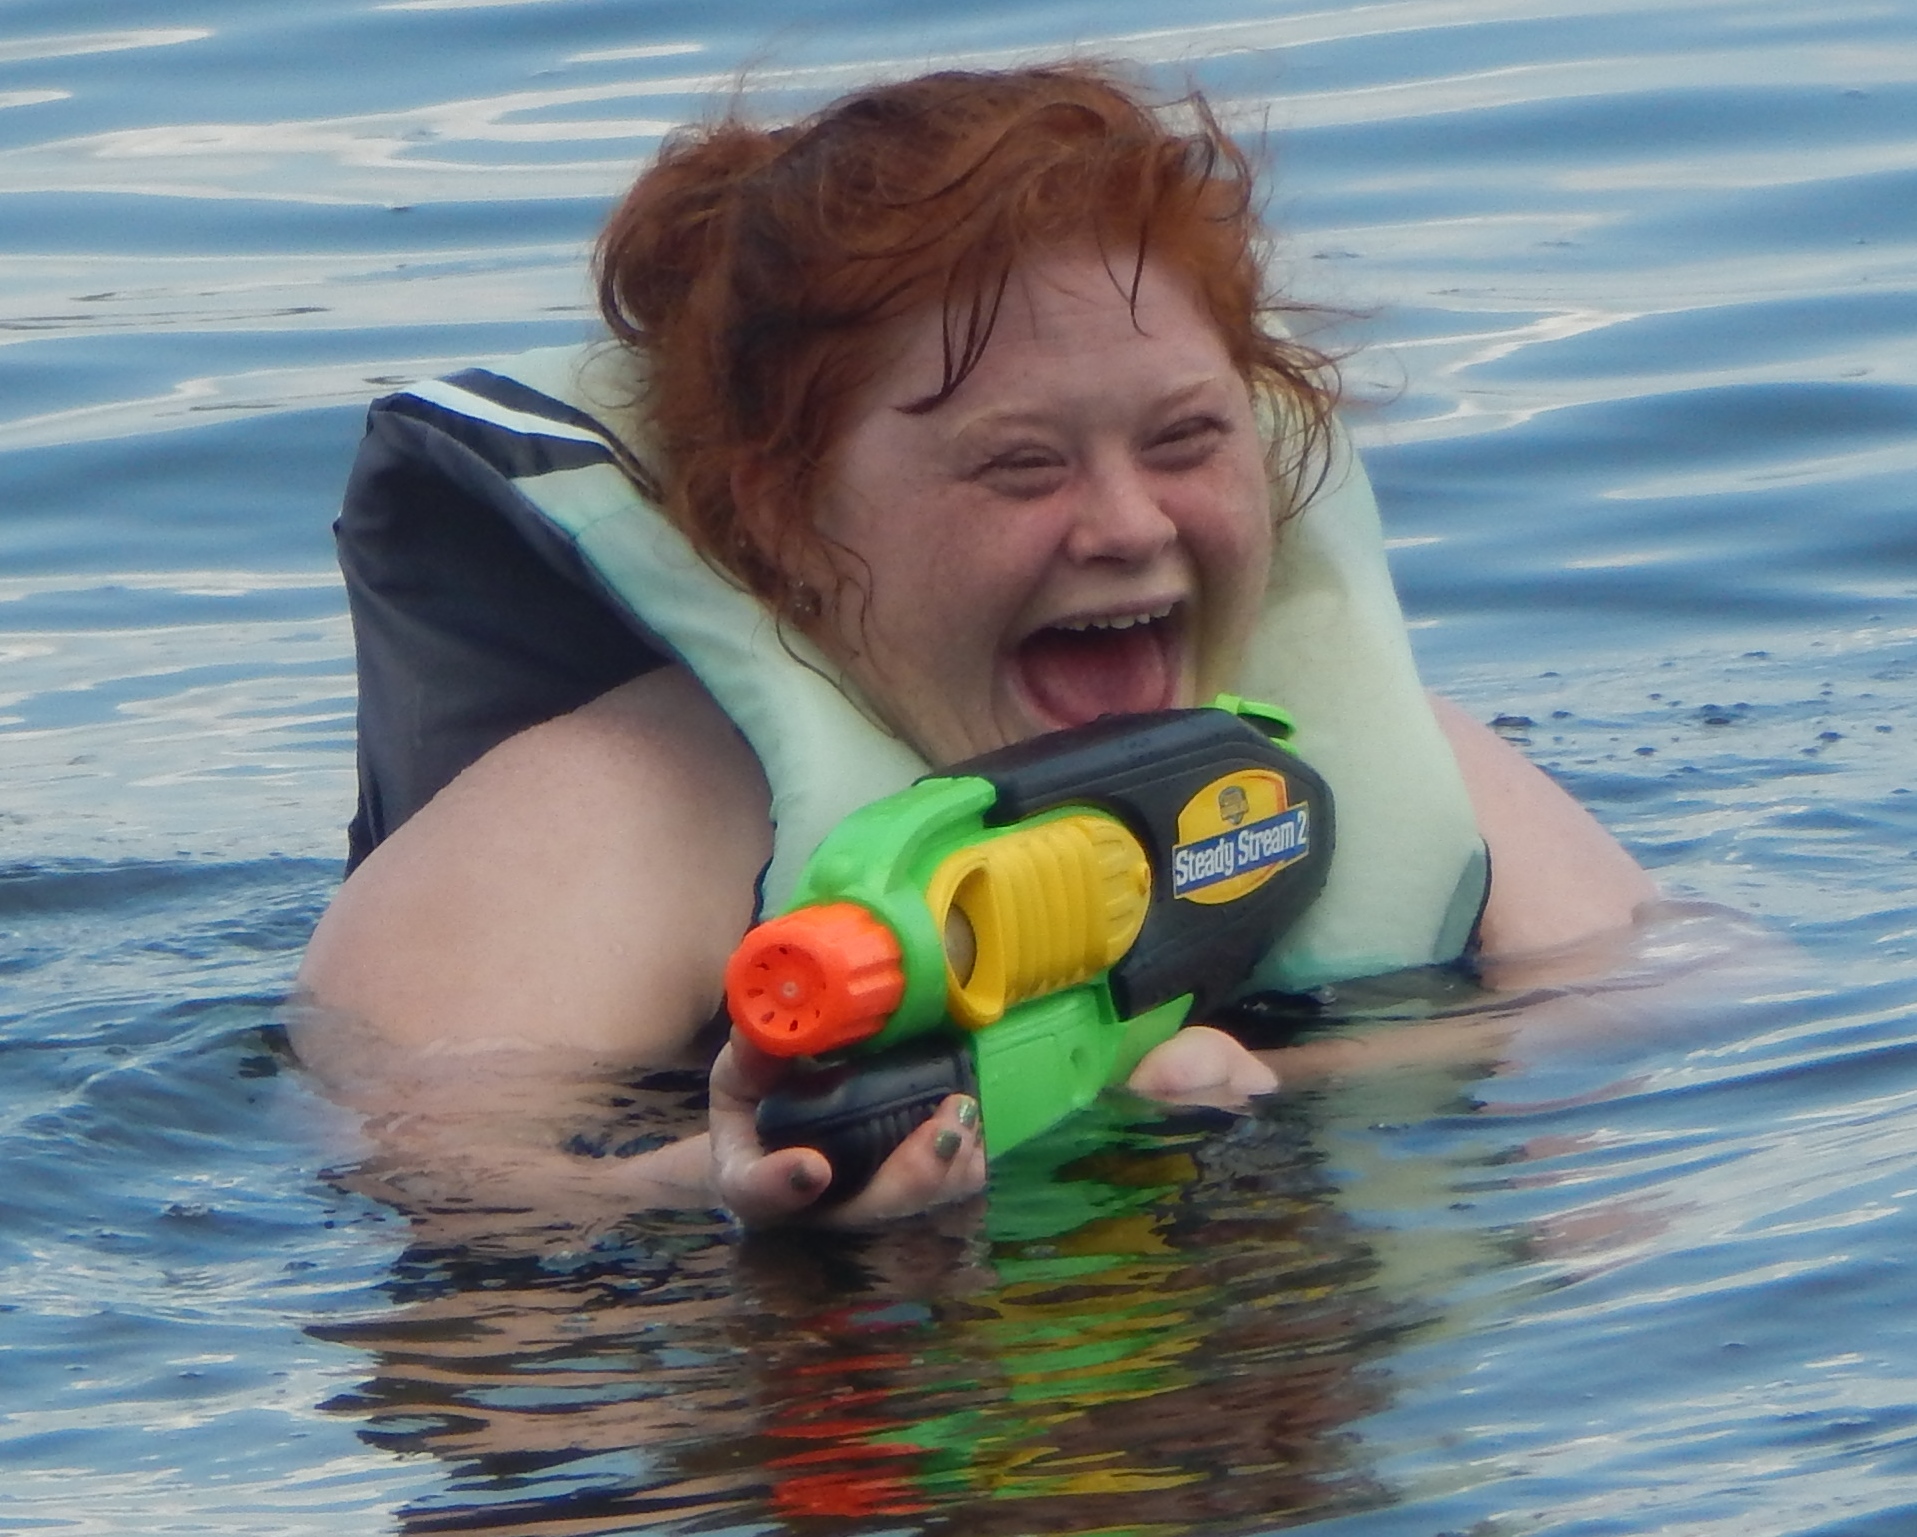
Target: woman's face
[(1083, 528)]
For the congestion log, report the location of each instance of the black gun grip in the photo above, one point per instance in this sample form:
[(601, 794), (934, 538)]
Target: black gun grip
[(857, 1111)]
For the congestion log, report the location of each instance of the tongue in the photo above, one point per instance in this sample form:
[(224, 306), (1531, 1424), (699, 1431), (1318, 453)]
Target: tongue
[(1078, 675)]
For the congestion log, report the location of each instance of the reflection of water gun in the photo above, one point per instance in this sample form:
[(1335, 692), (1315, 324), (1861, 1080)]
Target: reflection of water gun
[(1027, 925)]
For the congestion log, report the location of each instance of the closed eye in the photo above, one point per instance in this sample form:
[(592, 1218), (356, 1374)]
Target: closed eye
[(1188, 442), (1024, 472)]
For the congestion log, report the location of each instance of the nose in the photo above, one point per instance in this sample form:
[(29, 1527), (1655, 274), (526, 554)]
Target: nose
[(1121, 518)]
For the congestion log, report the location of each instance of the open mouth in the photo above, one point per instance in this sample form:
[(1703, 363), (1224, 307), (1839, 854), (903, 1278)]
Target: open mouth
[(1113, 664)]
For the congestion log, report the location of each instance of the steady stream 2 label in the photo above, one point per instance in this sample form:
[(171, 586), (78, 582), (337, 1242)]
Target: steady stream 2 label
[(1262, 847)]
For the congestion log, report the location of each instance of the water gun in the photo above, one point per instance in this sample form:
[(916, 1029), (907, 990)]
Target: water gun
[(1026, 925)]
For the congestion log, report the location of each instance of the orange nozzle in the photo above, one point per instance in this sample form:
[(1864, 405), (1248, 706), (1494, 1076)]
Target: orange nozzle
[(814, 979)]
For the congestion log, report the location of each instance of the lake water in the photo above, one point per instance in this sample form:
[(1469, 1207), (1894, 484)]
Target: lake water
[(1635, 286)]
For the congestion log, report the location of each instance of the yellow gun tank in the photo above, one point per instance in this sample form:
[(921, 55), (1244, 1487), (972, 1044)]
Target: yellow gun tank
[(1036, 909)]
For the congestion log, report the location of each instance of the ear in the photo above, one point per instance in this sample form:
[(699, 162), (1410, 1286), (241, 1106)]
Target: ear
[(763, 510), (768, 519)]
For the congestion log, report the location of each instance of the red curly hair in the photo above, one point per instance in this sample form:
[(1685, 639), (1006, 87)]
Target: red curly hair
[(752, 268)]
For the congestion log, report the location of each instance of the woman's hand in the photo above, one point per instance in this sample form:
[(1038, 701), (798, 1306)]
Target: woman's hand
[(942, 1161), (1202, 1066)]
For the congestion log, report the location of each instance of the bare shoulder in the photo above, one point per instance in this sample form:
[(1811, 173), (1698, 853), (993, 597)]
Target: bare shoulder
[(581, 885), (1557, 876)]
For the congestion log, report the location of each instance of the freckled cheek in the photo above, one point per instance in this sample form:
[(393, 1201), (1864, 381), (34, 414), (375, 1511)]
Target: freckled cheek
[(1248, 541), (929, 614), (1230, 535), (984, 566), (1232, 553)]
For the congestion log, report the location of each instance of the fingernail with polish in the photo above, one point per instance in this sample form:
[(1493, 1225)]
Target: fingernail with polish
[(946, 1144), (968, 1112)]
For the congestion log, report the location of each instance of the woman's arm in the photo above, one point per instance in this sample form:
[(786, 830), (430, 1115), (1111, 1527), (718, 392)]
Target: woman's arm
[(556, 921), (1557, 877), (581, 885)]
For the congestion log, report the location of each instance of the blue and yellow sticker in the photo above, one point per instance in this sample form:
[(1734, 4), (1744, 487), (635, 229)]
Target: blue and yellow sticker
[(1236, 834)]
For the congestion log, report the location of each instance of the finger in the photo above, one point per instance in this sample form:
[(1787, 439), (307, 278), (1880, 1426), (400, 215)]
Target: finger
[(756, 1186), (942, 1161), (743, 1073), (779, 1187)]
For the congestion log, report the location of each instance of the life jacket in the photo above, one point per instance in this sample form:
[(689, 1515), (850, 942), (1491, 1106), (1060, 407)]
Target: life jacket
[(1409, 875)]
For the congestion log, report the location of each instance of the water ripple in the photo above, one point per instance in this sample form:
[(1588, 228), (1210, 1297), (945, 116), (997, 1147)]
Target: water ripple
[(1634, 286)]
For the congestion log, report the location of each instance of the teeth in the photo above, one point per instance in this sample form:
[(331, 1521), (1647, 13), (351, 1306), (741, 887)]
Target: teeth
[(1116, 621)]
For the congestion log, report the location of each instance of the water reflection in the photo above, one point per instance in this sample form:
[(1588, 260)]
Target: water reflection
[(1162, 1321), (1171, 1332)]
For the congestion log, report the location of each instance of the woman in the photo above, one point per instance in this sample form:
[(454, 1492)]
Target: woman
[(970, 390)]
